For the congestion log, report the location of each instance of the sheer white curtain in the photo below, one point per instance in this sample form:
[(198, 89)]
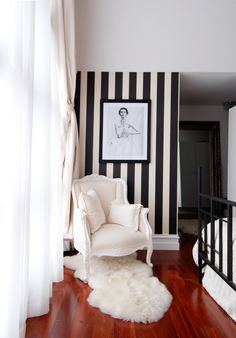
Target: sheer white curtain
[(63, 25), (30, 171)]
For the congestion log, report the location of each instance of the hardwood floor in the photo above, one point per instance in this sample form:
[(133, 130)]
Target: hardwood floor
[(193, 313)]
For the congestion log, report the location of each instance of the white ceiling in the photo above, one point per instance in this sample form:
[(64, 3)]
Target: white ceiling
[(207, 88)]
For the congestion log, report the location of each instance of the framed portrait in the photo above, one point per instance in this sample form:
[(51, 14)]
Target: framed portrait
[(125, 131)]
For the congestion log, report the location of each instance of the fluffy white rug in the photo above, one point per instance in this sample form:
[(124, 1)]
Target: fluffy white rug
[(123, 287)]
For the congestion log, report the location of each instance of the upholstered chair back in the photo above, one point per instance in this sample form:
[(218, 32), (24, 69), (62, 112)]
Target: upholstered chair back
[(108, 190)]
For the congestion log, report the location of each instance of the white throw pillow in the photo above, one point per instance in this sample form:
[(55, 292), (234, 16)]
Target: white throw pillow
[(125, 214), (90, 203)]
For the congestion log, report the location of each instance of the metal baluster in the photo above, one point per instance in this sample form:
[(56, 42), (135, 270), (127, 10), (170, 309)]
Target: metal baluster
[(212, 237), (220, 245), (205, 235), (229, 244), (199, 225)]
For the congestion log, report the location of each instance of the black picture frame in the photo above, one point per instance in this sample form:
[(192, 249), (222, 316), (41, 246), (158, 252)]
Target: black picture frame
[(125, 131)]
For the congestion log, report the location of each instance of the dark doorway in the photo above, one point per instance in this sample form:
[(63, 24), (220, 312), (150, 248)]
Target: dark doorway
[(199, 146)]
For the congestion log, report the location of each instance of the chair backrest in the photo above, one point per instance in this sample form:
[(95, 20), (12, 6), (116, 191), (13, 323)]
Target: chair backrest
[(108, 189)]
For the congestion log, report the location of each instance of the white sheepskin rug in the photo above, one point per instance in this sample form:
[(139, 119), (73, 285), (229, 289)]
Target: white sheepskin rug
[(123, 287)]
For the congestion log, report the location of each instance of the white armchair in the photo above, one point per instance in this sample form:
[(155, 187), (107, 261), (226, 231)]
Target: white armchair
[(100, 213)]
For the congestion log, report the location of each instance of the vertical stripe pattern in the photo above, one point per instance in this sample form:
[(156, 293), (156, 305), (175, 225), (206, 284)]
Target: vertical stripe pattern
[(173, 152), (104, 95), (154, 184), (118, 96), (131, 166), (138, 166), (96, 122), (145, 166), (166, 155), (89, 124), (82, 123), (77, 97), (152, 164), (159, 151), (125, 95), (111, 96)]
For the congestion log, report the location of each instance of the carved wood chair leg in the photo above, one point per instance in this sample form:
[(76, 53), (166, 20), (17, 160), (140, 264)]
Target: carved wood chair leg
[(148, 257)]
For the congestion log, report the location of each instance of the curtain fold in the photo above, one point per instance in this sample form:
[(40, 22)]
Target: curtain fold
[(31, 221), (63, 25)]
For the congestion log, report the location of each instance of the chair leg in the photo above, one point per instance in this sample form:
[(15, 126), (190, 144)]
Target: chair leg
[(149, 254), (86, 260)]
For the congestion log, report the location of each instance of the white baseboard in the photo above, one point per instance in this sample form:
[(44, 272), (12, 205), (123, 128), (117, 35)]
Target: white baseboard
[(165, 242)]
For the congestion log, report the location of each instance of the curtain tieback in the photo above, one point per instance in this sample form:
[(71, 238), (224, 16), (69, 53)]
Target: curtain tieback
[(69, 108)]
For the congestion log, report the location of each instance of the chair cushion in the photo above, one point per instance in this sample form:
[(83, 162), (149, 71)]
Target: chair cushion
[(90, 203), (115, 237), (107, 190), (125, 214)]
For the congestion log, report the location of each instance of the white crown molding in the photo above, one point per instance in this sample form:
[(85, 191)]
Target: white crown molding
[(165, 242)]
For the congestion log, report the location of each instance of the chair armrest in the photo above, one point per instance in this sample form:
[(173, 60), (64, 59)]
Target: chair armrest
[(81, 231), (144, 225)]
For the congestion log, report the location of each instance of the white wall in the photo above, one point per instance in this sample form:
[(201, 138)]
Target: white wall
[(231, 155), (211, 113), (156, 35)]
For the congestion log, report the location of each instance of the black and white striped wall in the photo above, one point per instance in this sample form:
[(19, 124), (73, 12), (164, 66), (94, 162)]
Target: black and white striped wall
[(154, 184)]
